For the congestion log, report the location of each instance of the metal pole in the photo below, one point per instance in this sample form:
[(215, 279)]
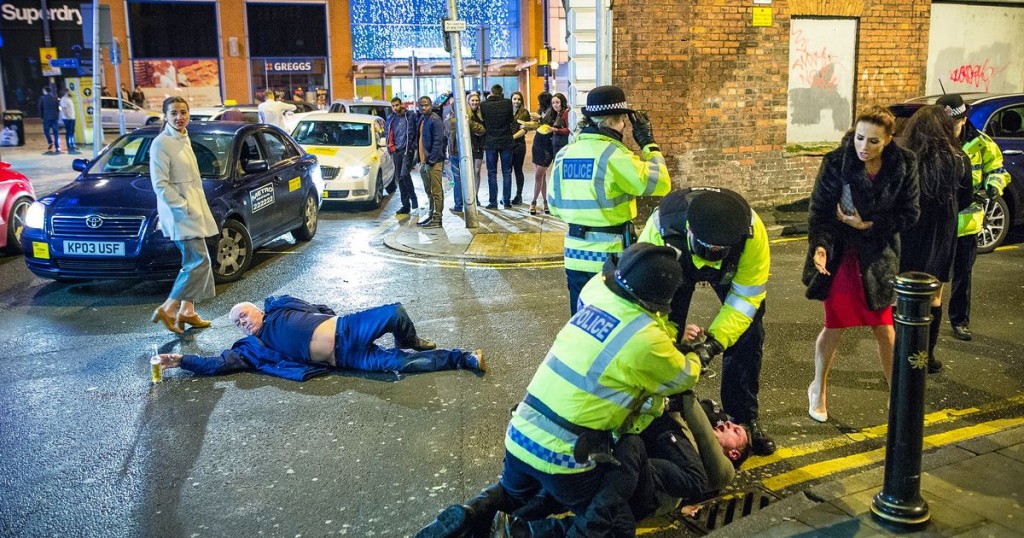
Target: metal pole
[(415, 81), (115, 58), (481, 46), (97, 86), (468, 174), (547, 46), (599, 66), (900, 500)]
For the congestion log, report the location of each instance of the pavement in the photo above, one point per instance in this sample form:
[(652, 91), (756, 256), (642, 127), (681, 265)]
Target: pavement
[(972, 487)]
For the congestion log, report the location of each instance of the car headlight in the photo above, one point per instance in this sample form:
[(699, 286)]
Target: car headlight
[(356, 171), (36, 216)]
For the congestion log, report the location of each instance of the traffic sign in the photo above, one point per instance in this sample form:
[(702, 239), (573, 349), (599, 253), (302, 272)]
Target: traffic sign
[(65, 63), (449, 25)]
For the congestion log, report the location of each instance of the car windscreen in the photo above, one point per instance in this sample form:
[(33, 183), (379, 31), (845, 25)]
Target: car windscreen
[(199, 117), (374, 110), (333, 133), (129, 155)]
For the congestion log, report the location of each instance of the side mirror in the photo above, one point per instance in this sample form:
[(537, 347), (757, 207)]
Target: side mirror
[(79, 165), (255, 167)]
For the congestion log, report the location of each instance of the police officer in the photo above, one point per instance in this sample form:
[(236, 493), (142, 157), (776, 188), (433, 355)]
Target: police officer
[(595, 181), (989, 179), (723, 242), (615, 353)]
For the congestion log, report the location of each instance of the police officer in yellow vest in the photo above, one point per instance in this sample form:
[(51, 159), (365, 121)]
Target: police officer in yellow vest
[(609, 359), (724, 243), (595, 181), (989, 178)]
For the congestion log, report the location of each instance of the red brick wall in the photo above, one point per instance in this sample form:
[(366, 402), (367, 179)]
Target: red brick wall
[(716, 86)]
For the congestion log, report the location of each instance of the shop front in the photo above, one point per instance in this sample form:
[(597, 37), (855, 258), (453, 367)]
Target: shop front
[(291, 78), (288, 50)]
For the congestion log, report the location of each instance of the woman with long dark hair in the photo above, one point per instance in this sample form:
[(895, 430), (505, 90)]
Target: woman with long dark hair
[(521, 116), (541, 150), (944, 175), (866, 193), (185, 218)]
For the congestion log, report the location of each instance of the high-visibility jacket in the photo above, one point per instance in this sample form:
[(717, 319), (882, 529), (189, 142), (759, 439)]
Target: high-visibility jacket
[(748, 285), (594, 182), (986, 169), (604, 364)]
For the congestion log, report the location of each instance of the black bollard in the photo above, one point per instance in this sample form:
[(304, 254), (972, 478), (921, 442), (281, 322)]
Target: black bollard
[(900, 500)]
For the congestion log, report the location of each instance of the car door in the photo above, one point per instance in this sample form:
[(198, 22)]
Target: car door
[(258, 194), (108, 112), (387, 166), (1006, 127), (133, 117), (286, 173)]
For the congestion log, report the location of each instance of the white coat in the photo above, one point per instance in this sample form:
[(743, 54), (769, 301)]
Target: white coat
[(272, 112), (180, 200)]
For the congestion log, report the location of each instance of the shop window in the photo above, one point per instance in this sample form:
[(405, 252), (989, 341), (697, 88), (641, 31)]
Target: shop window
[(278, 30), (173, 29)]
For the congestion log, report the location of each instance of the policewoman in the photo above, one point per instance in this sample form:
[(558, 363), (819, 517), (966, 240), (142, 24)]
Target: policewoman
[(595, 181), (608, 360), (722, 242)]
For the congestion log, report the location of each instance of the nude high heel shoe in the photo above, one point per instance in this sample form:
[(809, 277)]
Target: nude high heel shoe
[(815, 407)]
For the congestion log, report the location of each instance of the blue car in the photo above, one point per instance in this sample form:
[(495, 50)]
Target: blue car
[(1000, 116), (259, 183)]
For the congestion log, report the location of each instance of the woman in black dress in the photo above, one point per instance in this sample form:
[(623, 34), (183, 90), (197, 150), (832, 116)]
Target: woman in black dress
[(944, 173), (541, 150)]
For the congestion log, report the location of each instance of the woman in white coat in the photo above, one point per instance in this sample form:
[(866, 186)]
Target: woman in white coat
[(185, 218)]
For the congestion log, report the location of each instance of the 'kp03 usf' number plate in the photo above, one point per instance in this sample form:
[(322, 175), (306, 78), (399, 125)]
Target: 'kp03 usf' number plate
[(93, 248)]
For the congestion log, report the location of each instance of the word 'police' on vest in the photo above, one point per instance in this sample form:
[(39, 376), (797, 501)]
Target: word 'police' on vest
[(578, 169), (595, 322)]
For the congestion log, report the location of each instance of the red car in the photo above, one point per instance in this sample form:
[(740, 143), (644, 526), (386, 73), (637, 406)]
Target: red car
[(16, 194)]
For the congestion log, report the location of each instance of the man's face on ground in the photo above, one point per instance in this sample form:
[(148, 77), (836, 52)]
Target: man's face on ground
[(732, 437), (426, 106), (248, 318)]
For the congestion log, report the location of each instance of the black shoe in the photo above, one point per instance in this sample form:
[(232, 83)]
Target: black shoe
[(506, 205), (962, 332), (518, 200), (760, 442), (425, 222), (491, 206), (421, 344), (432, 223), (403, 211), (453, 522), (934, 365)]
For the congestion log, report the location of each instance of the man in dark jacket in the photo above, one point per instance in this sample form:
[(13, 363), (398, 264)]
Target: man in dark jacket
[(430, 137), (296, 340), (498, 122), (400, 130), (49, 111)]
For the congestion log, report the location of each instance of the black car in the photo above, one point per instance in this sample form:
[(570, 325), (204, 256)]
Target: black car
[(259, 183), (1000, 117)]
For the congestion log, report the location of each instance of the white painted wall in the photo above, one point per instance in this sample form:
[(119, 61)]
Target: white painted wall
[(822, 54), (975, 48)]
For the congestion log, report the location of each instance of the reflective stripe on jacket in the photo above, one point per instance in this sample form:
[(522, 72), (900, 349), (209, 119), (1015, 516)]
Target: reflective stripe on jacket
[(748, 287), (605, 363), (986, 169), (595, 182)]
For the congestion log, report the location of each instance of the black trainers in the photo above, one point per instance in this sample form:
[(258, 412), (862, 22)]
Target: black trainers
[(962, 332), (491, 206), (760, 442), (518, 200), (474, 360), (426, 221), (934, 365), (422, 344), (403, 211), (452, 522)]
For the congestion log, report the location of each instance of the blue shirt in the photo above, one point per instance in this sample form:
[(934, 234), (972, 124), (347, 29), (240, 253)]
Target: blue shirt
[(290, 331)]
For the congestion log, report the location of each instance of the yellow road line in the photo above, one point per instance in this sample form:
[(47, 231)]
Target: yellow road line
[(826, 468), (1007, 247), (874, 432), (787, 240)]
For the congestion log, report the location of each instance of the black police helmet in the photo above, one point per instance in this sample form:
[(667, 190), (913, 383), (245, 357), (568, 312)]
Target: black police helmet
[(645, 274), (707, 222)]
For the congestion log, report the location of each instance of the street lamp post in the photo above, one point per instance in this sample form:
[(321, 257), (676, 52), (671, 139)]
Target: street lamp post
[(454, 28), (553, 66)]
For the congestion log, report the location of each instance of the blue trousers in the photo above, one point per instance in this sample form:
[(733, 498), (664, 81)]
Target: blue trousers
[(195, 279), (575, 281), (741, 363), (492, 174), (69, 134), (456, 167), (573, 491), (354, 347), (52, 126)]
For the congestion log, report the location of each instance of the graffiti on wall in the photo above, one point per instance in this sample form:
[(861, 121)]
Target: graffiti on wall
[(978, 75), (975, 48), (821, 58)]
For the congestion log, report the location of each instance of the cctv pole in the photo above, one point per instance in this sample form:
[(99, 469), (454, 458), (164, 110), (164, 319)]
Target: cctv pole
[(467, 173), (97, 85), (115, 58)]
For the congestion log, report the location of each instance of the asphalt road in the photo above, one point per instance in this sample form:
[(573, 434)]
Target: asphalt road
[(89, 448)]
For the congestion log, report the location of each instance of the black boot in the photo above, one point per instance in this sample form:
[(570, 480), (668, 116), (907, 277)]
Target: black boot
[(472, 519), (934, 365), (760, 442)]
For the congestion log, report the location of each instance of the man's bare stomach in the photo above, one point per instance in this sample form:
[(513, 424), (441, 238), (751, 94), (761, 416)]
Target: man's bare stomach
[(321, 346)]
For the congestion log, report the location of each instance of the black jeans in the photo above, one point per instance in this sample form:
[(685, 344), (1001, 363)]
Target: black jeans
[(403, 176), (960, 295), (518, 158), (741, 363)]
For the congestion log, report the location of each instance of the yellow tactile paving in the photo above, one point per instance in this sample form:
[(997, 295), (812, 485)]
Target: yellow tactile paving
[(527, 244), (490, 244), (552, 242)]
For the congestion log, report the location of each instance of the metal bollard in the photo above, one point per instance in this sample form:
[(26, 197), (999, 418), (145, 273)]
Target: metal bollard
[(900, 500)]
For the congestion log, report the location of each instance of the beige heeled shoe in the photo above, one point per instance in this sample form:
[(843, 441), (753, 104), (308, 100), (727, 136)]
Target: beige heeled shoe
[(815, 408)]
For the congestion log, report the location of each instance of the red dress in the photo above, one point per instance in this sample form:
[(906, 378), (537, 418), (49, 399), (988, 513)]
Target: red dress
[(846, 305)]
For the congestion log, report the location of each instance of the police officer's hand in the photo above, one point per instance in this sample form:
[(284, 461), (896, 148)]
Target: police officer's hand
[(992, 191), (708, 350), (643, 131)]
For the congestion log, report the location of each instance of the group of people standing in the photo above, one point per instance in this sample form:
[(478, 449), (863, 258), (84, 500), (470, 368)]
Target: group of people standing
[(53, 112), (498, 128)]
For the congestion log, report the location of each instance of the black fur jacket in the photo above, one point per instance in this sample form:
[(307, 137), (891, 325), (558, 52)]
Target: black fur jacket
[(890, 202)]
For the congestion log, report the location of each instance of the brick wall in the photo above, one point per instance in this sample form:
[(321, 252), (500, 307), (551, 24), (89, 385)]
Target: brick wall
[(716, 86)]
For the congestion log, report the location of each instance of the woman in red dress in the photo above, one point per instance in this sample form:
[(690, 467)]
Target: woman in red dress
[(865, 194)]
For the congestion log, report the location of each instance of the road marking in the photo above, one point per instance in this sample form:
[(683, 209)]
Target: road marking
[(826, 468), (787, 240), (1007, 247), (874, 432)]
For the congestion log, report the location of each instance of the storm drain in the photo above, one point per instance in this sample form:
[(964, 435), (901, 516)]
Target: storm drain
[(721, 511)]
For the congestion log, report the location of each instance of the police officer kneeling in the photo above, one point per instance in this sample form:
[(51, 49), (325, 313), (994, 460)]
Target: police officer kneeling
[(616, 352), (723, 242)]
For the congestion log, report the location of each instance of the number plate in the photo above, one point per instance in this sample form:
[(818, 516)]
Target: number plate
[(93, 248)]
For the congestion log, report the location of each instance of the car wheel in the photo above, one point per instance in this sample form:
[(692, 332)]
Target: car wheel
[(232, 254), (996, 226), (378, 192), (310, 219), (152, 121), (16, 223)]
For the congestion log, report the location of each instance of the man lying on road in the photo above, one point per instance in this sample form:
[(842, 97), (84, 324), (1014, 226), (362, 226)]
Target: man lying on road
[(297, 340)]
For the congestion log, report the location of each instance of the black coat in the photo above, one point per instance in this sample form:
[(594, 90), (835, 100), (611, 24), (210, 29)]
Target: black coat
[(890, 202), (498, 121)]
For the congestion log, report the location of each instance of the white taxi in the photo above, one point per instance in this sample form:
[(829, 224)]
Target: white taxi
[(353, 155)]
